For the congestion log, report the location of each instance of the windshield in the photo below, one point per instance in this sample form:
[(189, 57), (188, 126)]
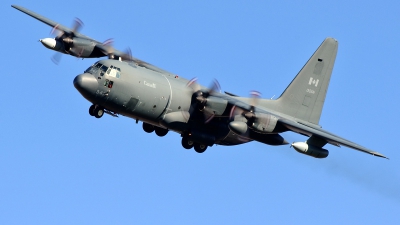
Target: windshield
[(114, 72), (111, 71), (94, 68)]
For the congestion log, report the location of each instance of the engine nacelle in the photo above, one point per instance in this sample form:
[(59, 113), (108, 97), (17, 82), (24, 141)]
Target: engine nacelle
[(239, 127), (81, 47), (216, 105), (264, 123), (310, 150)]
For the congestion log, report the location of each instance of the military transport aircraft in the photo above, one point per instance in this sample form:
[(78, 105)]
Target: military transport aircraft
[(123, 85)]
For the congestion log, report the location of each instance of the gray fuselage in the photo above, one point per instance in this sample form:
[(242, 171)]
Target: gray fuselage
[(161, 100)]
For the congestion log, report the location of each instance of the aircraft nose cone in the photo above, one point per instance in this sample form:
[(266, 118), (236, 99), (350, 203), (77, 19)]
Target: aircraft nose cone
[(86, 84)]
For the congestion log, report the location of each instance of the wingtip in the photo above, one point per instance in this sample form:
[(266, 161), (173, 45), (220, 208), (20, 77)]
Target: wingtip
[(16, 7), (379, 155)]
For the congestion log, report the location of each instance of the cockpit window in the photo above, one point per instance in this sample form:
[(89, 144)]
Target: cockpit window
[(111, 71), (89, 70), (104, 68), (114, 72), (93, 69)]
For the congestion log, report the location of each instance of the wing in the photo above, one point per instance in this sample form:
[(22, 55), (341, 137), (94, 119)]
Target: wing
[(298, 127), (100, 46), (329, 137), (50, 22), (128, 57)]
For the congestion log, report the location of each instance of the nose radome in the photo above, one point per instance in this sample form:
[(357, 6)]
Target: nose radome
[(86, 84)]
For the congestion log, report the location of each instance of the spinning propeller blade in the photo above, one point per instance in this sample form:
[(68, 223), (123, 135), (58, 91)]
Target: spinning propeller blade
[(67, 40), (199, 99), (249, 113)]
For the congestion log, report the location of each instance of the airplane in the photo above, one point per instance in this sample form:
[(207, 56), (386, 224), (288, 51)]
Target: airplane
[(203, 116)]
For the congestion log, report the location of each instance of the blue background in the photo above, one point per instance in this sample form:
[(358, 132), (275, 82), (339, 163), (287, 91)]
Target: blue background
[(58, 165)]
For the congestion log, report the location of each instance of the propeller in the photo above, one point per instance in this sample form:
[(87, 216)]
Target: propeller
[(242, 118), (56, 58), (199, 100), (252, 125), (66, 38), (117, 55), (107, 48), (249, 113)]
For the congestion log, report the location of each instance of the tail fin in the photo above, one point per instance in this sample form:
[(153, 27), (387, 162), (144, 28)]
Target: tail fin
[(305, 95)]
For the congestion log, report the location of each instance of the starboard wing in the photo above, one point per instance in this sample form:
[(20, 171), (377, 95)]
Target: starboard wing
[(300, 128), (329, 137)]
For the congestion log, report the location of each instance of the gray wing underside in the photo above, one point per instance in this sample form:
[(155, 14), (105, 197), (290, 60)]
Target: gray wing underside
[(294, 126), (329, 137), (99, 45)]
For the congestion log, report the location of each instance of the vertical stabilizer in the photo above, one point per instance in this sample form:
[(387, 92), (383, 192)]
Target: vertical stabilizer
[(305, 95)]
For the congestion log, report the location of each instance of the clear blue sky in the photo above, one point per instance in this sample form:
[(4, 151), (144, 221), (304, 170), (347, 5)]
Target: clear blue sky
[(58, 165)]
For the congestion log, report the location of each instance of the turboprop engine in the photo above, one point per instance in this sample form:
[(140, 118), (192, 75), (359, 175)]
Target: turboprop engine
[(78, 47), (260, 129), (263, 123), (310, 150), (258, 122)]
